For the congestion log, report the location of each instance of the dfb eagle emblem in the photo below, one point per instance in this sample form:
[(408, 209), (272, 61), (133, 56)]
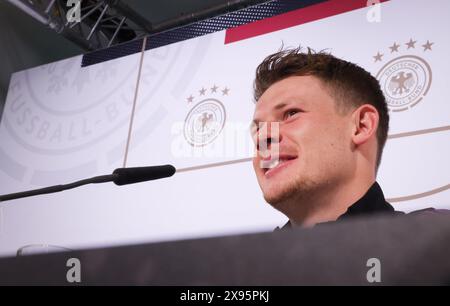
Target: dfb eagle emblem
[(401, 82)]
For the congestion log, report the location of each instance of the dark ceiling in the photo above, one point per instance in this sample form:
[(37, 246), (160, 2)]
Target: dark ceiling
[(26, 42), (160, 11)]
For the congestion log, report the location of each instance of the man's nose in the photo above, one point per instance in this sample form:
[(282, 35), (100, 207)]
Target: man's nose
[(268, 136)]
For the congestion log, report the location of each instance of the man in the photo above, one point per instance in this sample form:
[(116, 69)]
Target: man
[(320, 125)]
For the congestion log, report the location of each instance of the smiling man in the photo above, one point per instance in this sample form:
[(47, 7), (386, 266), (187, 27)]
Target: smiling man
[(320, 125)]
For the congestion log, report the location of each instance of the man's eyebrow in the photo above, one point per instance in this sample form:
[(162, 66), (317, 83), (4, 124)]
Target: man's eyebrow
[(280, 106), (256, 121)]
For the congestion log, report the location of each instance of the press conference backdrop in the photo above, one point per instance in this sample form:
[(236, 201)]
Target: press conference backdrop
[(192, 103)]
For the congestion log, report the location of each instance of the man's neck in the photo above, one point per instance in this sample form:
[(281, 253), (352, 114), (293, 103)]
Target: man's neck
[(325, 205)]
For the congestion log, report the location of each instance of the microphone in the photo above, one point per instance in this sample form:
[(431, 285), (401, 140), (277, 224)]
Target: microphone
[(126, 176), (120, 176)]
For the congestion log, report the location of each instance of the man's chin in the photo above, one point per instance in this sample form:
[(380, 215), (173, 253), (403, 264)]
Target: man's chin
[(275, 197), (278, 202)]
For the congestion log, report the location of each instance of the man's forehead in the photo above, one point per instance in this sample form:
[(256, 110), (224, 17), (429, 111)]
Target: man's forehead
[(291, 83), (293, 88)]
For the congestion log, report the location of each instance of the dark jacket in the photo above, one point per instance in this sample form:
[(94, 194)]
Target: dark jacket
[(372, 202)]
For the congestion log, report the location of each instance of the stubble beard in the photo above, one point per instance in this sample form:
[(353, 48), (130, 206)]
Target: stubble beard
[(293, 194)]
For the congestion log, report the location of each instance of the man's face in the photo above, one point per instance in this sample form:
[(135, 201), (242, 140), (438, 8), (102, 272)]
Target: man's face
[(314, 140)]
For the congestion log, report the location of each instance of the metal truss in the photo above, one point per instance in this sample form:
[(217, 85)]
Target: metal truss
[(104, 23), (101, 23)]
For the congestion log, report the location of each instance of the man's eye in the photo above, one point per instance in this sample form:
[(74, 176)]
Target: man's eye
[(290, 113)]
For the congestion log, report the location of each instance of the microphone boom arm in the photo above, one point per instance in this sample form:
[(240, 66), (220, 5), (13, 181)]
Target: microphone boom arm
[(58, 188), (120, 176)]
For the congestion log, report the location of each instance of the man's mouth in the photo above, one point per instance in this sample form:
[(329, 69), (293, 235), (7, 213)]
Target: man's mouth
[(272, 166)]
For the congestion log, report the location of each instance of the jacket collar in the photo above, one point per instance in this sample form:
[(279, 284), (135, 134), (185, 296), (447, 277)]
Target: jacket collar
[(372, 202)]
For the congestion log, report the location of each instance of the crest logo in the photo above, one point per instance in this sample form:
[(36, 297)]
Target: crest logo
[(59, 111), (205, 121), (405, 80)]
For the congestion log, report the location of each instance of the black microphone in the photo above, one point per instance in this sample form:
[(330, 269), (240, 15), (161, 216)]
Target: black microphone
[(120, 176), (126, 176)]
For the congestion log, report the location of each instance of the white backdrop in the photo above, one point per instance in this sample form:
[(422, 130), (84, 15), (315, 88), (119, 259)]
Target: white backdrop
[(62, 123)]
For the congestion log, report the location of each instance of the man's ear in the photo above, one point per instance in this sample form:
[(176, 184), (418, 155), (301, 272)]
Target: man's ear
[(365, 122)]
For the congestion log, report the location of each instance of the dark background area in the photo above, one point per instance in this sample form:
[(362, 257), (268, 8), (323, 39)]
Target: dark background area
[(26, 43)]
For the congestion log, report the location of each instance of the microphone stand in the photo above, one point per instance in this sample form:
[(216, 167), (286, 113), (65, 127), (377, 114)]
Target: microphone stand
[(58, 188), (120, 176)]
